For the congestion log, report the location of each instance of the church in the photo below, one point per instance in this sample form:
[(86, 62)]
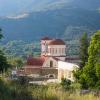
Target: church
[(52, 62)]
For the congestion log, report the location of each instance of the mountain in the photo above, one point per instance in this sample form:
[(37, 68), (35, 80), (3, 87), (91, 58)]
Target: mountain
[(14, 7), (30, 20)]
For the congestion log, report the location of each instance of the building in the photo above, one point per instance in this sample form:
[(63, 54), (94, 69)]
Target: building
[(52, 62)]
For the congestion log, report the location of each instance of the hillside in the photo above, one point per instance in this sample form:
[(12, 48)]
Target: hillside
[(14, 7), (31, 20), (67, 23), (59, 18)]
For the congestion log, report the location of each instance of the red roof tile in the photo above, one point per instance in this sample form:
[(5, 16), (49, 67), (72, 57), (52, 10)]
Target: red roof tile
[(46, 38), (57, 42), (35, 61)]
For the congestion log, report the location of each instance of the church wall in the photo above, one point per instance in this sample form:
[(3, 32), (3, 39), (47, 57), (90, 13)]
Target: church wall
[(47, 63), (48, 71), (65, 70), (64, 73), (32, 70)]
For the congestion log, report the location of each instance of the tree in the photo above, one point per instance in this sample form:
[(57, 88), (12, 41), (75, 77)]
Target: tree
[(3, 61), (84, 43), (91, 72), (16, 62), (65, 83)]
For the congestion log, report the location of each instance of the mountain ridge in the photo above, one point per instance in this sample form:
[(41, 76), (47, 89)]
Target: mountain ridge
[(68, 21)]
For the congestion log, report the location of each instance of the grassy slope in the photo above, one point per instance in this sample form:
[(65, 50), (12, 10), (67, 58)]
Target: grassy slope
[(15, 91)]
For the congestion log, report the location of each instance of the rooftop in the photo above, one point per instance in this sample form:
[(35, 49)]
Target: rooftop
[(46, 38), (57, 42), (35, 61)]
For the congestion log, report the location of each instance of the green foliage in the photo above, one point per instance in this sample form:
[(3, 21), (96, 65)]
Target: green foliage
[(3, 61), (84, 43), (20, 49), (90, 74), (75, 86), (23, 80), (16, 61), (66, 83), (13, 90), (77, 74), (98, 70), (92, 68)]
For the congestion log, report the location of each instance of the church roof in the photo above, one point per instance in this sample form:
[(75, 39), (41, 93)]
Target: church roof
[(32, 61), (57, 42), (46, 38), (35, 61)]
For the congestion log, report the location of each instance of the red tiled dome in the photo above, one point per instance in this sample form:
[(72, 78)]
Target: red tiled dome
[(46, 38), (57, 42)]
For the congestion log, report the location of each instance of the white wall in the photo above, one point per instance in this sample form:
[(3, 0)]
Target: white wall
[(65, 70), (47, 63), (56, 50), (66, 65)]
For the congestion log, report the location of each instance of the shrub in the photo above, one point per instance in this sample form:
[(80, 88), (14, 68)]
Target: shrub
[(66, 83)]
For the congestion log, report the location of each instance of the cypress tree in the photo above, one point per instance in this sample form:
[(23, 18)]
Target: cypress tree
[(90, 76), (84, 43), (3, 61)]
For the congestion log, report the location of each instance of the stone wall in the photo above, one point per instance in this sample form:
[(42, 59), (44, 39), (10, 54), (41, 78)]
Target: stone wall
[(33, 71), (50, 71)]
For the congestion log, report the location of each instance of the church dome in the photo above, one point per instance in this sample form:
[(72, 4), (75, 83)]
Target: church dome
[(46, 38), (57, 42)]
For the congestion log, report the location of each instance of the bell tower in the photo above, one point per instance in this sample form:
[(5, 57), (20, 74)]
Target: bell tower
[(44, 46)]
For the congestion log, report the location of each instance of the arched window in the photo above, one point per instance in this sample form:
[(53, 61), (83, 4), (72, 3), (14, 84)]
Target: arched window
[(51, 76), (51, 63)]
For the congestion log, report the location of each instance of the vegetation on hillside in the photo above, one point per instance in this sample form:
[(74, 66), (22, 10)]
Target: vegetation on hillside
[(21, 49)]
